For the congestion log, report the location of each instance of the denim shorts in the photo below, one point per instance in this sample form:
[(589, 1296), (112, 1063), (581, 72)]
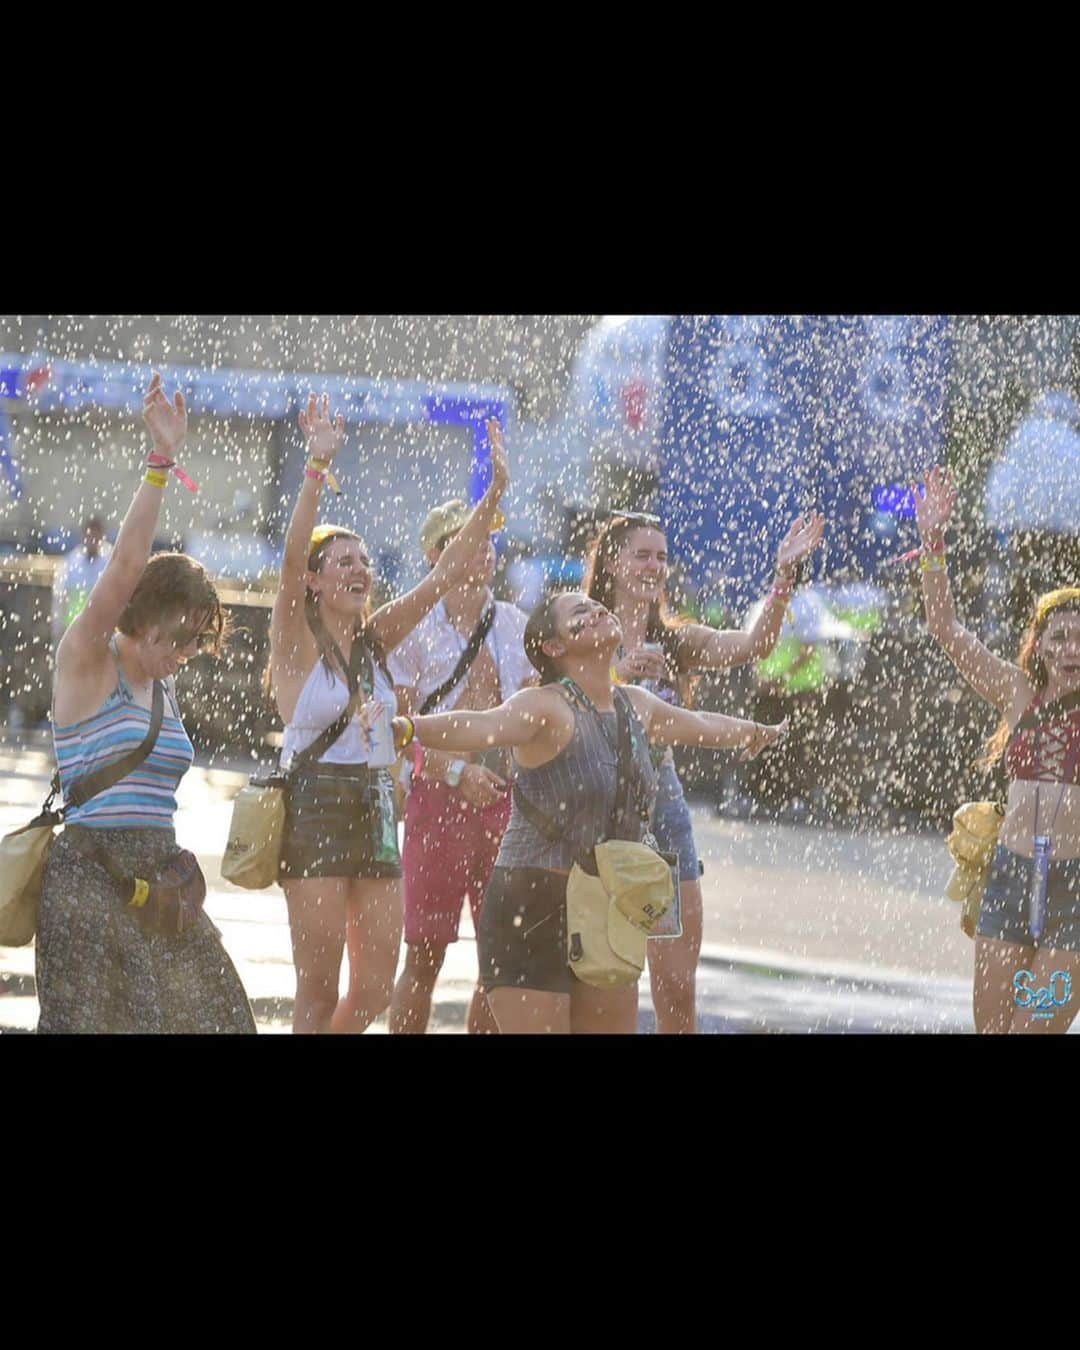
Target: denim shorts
[(1005, 908), (671, 823)]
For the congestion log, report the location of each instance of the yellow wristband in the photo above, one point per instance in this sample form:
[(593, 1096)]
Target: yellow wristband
[(156, 477), (140, 894), (933, 562)]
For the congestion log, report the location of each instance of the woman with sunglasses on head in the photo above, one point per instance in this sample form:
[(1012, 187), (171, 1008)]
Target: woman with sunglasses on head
[(564, 738), (123, 944), (340, 867), (626, 571), (1029, 920)]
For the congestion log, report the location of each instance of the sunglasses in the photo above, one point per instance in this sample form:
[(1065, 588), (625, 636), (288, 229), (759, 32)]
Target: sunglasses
[(643, 516)]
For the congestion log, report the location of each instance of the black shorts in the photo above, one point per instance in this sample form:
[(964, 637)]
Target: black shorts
[(521, 941), (339, 822)]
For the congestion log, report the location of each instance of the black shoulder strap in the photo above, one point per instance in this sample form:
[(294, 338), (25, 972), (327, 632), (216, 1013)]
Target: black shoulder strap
[(91, 784), (468, 656), (358, 655)]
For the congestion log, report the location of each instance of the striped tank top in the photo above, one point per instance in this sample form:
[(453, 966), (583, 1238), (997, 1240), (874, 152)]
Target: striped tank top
[(146, 798), (577, 789)]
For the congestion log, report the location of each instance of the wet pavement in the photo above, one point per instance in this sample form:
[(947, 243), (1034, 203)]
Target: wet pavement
[(807, 930)]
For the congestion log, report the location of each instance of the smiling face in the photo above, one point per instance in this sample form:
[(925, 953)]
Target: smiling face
[(343, 579), (584, 629), (641, 567), (1058, 648)]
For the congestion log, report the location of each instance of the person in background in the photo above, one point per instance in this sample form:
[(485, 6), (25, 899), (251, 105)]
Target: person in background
[(627, 572), (458, 805), (77, 576)]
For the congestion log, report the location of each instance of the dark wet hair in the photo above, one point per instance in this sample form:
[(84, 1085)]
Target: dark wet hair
[(539, 629), (171, 587)]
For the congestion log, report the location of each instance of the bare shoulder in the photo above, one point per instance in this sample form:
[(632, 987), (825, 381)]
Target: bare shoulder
[(85, 677)]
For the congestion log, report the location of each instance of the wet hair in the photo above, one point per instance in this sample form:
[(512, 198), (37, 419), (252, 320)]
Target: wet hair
[(171, 587), (662, 626), (1065, 600), (540, 629)]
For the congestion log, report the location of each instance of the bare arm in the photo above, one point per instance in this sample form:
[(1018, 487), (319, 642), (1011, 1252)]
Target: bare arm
[(521, 719), (393, 623), (997, 681), (292, 647), (702, 648), (86, 643), (666, 724)]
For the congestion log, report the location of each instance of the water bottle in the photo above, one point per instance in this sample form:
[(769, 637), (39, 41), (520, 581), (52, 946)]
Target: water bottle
[(1039, 883)]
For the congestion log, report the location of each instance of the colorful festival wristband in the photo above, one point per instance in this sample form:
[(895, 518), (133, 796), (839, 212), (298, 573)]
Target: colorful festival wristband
[(156, 460), (320, 469), (156, 477)]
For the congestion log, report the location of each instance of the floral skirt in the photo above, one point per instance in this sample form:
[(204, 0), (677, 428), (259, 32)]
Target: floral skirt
[(98, 971)]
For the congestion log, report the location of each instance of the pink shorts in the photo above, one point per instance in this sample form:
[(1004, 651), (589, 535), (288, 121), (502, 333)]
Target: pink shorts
[(450, 849)]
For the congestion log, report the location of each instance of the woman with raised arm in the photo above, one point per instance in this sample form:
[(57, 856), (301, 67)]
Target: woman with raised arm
[(340, 867), (563, 735), (123, 943), (626, 572), (1027, 938)]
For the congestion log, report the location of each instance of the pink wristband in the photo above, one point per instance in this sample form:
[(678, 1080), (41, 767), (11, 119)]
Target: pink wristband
[(317, 474), (156, 460)]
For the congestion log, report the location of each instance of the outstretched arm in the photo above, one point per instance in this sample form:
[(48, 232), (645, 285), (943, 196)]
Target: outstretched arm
[(994, 679), (702, 648), (86, 641), (523, 717), (666, 724), (392, 624)]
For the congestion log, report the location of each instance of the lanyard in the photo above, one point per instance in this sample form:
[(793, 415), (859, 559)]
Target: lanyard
[(1069, 766)]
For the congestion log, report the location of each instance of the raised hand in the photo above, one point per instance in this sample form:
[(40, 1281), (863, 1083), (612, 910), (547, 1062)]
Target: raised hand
[(933, 508), (804, 536), (764, 737), (324, 437), (500, 466), (165, 421)]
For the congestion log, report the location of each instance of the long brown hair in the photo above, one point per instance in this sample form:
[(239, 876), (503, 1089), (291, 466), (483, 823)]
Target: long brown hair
[(661, 626), (326, 534), (1067, 598)]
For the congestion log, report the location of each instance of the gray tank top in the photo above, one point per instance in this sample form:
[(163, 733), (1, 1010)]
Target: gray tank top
[(576, 789)]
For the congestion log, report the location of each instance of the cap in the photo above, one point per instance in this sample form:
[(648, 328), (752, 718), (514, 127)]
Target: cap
[(447, 519)]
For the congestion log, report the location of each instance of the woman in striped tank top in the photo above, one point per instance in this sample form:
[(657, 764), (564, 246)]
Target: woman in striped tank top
[(99, 969), (563, 735)]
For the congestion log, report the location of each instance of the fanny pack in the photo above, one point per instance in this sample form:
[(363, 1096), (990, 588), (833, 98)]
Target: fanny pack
[(25, 852), (618, 889), (253, 850), (169, 900)]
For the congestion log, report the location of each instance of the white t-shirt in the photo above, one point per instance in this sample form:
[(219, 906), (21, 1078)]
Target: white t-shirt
[(430, 654)]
